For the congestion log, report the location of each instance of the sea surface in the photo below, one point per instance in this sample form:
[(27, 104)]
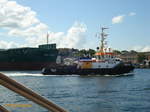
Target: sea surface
[(83, 93)]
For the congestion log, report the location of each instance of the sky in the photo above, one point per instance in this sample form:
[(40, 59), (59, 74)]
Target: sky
[(75, 23)]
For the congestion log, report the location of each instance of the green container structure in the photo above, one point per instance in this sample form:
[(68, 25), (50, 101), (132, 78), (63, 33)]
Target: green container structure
[(28, 58)]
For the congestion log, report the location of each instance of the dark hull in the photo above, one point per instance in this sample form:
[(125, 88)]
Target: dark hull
[(27, 58), (25, 66), (70, 70)]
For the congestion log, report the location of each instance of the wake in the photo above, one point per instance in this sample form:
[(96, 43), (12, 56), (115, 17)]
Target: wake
[(22, 73)]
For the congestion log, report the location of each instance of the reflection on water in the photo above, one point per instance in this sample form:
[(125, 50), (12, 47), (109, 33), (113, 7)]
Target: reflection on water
[(84, 93)]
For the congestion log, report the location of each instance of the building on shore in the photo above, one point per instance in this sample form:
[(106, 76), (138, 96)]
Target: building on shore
[(140, 59), (146, 62), (128, 57)]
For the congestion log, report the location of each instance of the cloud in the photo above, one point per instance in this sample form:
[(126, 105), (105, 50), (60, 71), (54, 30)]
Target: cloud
[(141, 48), (132, 14), (21, 21), (118, 19), (13, 15), (6, 45), (33, 31), (73, 38)]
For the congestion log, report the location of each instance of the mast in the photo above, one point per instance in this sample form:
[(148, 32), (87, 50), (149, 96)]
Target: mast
[(47, 37), (103, 37)]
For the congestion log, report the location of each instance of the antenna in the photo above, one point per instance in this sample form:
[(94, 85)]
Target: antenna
[(103, 37), (47, 37)]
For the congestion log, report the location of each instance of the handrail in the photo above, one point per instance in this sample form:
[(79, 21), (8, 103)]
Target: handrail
[(29, 94), (2, 109)]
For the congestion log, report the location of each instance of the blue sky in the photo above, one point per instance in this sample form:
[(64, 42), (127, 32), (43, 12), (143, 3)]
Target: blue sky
[(64, 17)]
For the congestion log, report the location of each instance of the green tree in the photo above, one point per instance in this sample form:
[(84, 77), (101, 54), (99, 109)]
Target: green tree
[(116, 52), (133, 52), (84, 52), (91, 52), (141, 57), (124, 52)]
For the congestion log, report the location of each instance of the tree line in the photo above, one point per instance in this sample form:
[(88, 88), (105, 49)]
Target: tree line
[(141, 56)]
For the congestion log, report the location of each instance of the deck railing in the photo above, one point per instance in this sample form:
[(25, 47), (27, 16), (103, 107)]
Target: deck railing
[(27, 93)]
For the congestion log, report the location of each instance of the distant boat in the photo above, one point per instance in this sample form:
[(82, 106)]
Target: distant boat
[(104, 62)]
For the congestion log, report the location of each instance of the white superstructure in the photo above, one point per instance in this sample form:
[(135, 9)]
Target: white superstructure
[(104, 58)]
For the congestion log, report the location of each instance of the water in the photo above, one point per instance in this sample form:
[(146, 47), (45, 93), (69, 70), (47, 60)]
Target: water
[(83, 93)]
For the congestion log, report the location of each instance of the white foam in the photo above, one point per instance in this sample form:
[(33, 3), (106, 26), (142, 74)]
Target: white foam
[(38, 73), (29, 73), (22, 73)]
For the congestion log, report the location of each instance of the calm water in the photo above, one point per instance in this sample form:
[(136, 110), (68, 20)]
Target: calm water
[(84, 94)]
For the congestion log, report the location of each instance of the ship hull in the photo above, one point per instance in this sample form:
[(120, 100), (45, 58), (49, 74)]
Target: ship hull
[(25, 66), (70, 70), (28, 58)]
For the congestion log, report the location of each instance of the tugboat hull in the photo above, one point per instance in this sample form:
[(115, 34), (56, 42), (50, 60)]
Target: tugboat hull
[(70, 70)]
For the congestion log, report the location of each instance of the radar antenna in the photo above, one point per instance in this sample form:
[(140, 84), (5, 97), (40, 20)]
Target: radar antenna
[(103, 37)]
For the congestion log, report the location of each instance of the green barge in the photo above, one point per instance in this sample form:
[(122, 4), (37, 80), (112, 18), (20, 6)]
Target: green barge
[(28, 58)]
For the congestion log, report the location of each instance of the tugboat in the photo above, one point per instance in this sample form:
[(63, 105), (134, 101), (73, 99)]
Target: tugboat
[(103, 63)]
